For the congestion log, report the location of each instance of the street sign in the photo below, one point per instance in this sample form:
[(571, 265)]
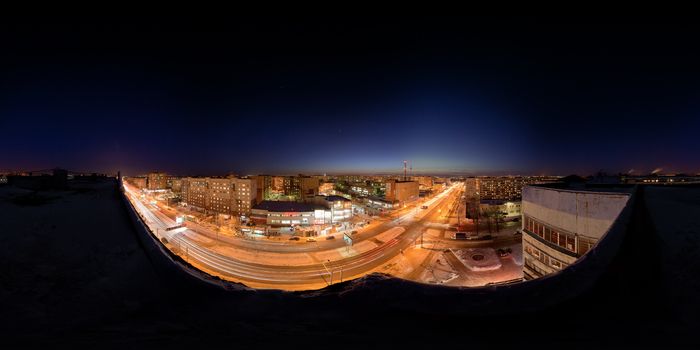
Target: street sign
[(347, 239)]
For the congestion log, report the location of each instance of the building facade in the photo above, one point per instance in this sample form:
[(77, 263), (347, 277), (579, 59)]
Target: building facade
[(176, 185), (195, 192), (321, 210), (230, 196), (561, 224), (401, 191), (245, 195), (340, 207), (326, 188), (424, 182), (505, 188), (157, 181), (301, 187), (138, 182), (508, 210)]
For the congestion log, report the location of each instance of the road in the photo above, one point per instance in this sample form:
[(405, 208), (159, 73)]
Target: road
[(376, 227), (294, 277)]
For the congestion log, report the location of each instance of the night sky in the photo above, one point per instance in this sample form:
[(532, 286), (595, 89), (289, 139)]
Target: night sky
[(287, 95)]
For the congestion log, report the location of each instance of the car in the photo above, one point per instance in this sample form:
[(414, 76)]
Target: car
[(461, 235), (330, 237), (424, 207), (311, 239), (295, 238), (353, 232)]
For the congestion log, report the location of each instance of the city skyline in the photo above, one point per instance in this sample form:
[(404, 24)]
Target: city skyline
[(453, 95)]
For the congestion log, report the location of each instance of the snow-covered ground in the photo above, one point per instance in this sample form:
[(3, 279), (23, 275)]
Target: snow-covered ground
[(438, 270), (478, 259), (71, 260), (73, 274)]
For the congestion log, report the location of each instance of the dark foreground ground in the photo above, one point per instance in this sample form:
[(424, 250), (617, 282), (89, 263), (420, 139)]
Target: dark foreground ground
[(74, 273)]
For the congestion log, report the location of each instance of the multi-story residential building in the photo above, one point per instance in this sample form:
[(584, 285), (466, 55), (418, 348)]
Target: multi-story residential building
[(508, 210), (157, 181), (195, 192), (326, 188), (263, 187), (231, 196), (561, 223), (138, 181), (505, 188), (424, 182), (219, 195), (301, 187), (245, 195), (278, 184), (176, 185), (401, 191)]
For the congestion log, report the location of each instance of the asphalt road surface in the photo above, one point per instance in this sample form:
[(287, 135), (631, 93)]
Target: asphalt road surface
[(279, 276)]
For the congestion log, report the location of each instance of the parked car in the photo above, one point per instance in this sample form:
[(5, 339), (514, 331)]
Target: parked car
[(424, 207), (311, 239), (295, 238), (330, 237)]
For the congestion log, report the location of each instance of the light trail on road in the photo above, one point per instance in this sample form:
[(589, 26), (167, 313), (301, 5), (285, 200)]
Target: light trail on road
[(275, 276)]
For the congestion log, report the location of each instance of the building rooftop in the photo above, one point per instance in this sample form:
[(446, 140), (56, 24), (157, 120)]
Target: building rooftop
[(336, 198), (284, 206), (495, 201), (380, 199), (587, 187)]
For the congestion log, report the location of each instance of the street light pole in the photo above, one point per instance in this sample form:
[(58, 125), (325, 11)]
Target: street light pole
[(331, 272)]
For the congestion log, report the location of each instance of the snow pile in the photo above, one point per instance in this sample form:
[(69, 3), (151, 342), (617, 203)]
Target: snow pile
[(478, 259)]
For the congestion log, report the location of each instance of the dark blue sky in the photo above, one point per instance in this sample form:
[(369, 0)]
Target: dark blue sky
[(286, 95)]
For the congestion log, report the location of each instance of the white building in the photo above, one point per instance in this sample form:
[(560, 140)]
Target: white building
[(322, 210), (561, 224), (511, 210)]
